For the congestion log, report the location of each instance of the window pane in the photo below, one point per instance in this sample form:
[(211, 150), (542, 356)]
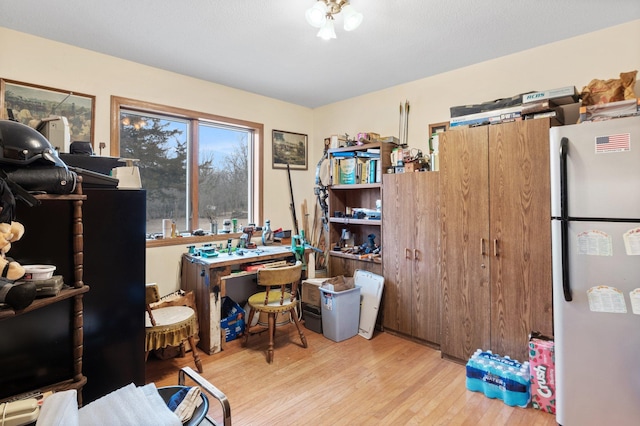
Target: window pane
[(223, 175), (160, 143)]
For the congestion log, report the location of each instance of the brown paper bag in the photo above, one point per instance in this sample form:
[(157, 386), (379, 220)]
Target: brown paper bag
[(339, 283), (613, 90)]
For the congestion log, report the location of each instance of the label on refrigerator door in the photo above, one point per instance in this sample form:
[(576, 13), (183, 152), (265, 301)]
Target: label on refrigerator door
[(634, 295), (595, 243), (632, 242), (606, 299), (613, 143)]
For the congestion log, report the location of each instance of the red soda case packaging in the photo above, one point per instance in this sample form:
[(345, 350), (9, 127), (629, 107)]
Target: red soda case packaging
[(543, 373)]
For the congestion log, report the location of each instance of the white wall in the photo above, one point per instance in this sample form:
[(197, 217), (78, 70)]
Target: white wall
[(573, 62)]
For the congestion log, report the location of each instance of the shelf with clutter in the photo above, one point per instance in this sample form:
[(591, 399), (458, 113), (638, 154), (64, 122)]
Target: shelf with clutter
[(354, 202)]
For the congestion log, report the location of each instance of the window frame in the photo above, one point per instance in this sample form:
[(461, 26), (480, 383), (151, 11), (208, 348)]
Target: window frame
[(194, 118)]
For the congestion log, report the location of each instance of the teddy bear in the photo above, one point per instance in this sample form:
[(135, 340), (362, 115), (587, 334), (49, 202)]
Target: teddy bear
[(16, 295), (9, 233)]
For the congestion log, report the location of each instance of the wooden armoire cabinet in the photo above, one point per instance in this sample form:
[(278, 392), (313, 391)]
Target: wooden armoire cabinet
[(495, 238), (410, 265)]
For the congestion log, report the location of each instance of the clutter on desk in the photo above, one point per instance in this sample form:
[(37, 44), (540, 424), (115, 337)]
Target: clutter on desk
[(267, 234)]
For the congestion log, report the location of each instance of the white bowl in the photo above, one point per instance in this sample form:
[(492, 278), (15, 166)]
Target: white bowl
[(38, 272)]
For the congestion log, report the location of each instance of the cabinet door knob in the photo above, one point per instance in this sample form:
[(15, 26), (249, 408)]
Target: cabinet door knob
[(495, 248), (416, 254), (482, 252), (407, 253)]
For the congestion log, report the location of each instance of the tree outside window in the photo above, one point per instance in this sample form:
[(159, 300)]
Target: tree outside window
[(163, 145)]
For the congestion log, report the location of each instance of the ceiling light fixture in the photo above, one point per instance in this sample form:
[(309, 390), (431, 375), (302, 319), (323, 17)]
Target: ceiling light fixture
[(321, 15)]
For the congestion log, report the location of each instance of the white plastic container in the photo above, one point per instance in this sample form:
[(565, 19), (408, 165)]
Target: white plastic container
[(38, 272), (340, 313)]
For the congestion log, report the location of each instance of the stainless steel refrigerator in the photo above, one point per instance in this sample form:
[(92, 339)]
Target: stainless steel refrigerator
[(595, 222)]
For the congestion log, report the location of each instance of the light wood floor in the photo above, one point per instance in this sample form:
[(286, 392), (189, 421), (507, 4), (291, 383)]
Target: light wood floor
[(386, 380)]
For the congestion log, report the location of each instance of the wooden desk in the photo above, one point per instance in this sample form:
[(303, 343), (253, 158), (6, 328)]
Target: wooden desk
[(206, 277)]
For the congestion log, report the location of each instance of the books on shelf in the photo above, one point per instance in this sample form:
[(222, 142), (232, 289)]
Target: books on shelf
[(367, 154), (352, 170), (347, 171), (344, 154)]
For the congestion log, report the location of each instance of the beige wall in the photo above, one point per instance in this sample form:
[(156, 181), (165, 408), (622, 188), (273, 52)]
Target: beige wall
[(39, 61), (573, 62)]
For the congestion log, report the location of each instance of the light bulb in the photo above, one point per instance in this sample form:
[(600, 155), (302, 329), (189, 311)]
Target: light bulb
[(352, 18), (317, 14), (327, 32)]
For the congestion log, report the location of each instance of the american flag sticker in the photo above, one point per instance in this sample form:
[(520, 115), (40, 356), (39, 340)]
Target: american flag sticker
[(613, 143)]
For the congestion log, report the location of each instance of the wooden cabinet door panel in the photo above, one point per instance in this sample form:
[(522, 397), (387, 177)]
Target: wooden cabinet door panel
[(519, 232), (398, 255), (464, 242), (426, 265)]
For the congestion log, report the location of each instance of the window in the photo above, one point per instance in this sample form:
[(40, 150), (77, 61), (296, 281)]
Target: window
[(197, 168)]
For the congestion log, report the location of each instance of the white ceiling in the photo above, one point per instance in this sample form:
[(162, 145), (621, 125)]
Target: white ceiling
[(267, 47)]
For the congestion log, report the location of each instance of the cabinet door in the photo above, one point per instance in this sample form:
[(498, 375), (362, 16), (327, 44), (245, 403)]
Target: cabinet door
[(520, 235), (464, 240), (398, 236), (426, 266)]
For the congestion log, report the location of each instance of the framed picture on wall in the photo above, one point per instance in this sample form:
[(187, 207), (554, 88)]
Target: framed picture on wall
[(438, 127), (30, 103), (289, 148)]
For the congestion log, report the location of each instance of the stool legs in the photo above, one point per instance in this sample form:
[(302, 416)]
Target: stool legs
[(295, 320), (196, 357), (247, 331), (272, 332)]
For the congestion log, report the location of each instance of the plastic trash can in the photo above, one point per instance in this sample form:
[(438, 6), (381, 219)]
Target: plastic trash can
[(340, 313)]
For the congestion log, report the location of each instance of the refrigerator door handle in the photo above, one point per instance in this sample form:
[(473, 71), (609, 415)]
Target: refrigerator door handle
[(564, 219)]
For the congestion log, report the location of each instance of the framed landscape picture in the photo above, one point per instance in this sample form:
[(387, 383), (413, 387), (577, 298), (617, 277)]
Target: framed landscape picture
[(29, 103), (289, 148)]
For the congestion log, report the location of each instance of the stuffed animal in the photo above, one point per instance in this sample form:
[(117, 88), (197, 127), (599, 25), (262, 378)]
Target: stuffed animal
[(9, 233), (16, 295)]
